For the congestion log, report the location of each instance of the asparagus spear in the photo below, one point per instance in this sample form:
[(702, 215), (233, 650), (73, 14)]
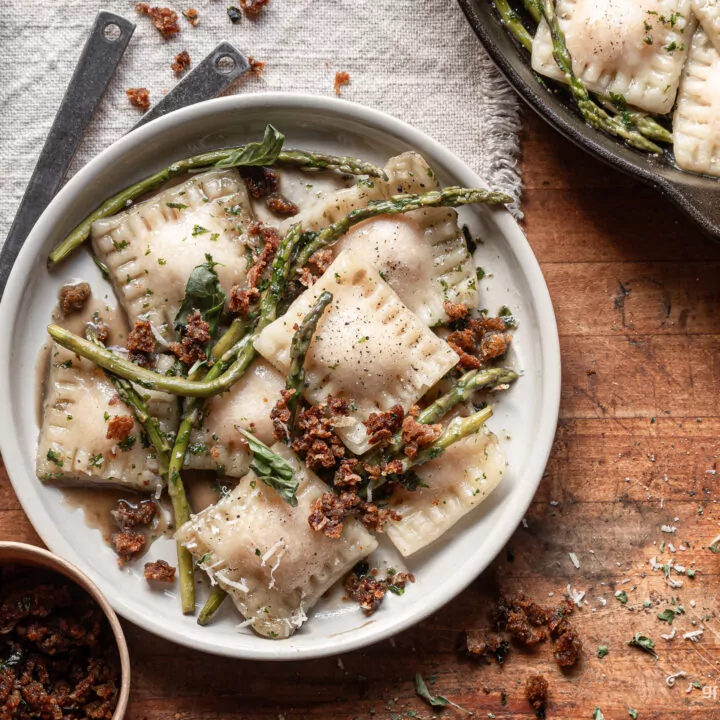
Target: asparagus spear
[(125, 197), (397, 204), (645, 124), (233, 363), (212, 605), (594, 115), (298, 350), (533, 10), (468, 384), (139, 407), (513, 23)]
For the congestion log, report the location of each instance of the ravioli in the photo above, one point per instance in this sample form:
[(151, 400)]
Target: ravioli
[(265, 554), (216, 444), (632, 48), (457, 481), (696, 125), (151, 249), (73, 449), (407, 173), (708, 13), (368, 347)]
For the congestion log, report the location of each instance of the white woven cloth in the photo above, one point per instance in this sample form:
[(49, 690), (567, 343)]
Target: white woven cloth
[(415, 59)]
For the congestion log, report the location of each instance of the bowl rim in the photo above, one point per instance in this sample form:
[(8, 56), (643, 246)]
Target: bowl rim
[(25, 551), (549, 382)]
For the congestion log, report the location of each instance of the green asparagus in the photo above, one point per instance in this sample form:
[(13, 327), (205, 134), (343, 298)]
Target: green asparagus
[(468, 384), (533, 10), (513, 23), (212, 605), (298, 350), (397, 204), (215, 158), (594, 115)]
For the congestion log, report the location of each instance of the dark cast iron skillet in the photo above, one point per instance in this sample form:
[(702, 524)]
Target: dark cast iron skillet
[(697, 195)]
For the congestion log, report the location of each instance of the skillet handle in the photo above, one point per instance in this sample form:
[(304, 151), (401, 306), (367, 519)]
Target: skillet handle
[(700, 201)]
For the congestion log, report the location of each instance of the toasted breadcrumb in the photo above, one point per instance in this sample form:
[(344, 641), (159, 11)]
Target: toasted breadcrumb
[(279, 205), (159, 571), (253, 8), (195, 335), (164, 19), (139, 97), (119, 427), (341, 78), (128, 515), (536, 691), (383, 425), (181, 62), (127, 545), (140, 343), (73, 297), (256, 66), (191, 15)]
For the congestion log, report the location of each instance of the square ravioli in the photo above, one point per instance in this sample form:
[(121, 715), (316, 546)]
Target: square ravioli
[(708, 13), (265, 554), (368, 346), (696, 124), (632, 48), (458, 481), (422, 255), (73, 447), (216, 444), (151, 248)]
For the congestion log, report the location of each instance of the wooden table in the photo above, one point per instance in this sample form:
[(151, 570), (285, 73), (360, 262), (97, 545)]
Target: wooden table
[(637, 294)]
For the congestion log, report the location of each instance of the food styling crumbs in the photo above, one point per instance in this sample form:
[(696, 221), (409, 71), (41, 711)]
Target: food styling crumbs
[(256, 66), (181, 62), (191, 15), (58, 658), (341, 78), (139, 97), (164, 19)]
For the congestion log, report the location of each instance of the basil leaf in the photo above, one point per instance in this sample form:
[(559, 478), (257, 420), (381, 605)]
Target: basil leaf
[(272, 469), (203, 293), (598, 714), (422, 691), (644, 643), (252, 154)]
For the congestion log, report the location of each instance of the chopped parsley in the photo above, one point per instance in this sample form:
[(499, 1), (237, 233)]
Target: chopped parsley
[(176, 206), (199, 230), (55, 457), (602, 651), (127, 443), (644, 643), (621, 595), (96, 461)]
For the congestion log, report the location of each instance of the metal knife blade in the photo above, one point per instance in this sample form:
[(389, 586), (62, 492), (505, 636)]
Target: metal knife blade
[(105, 46)]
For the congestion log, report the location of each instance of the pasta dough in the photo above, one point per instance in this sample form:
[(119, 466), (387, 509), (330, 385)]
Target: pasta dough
[(73, 448), (151, 249), (708, 13), (696, 125), (632, 48), (368, 347), (457, 481), (216, 444), (265, 554)]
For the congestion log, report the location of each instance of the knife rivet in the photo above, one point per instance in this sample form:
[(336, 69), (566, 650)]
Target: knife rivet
[(112, 32), (225, 64)]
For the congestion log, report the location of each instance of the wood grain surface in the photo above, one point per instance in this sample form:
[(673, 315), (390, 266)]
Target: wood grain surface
[(636, 289)]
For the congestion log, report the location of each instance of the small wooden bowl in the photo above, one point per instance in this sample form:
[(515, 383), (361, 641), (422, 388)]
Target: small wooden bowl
[(22, 554)]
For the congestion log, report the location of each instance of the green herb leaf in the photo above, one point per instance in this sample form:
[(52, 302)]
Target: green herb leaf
[(13, 660), (253, 154), (598, 714), (199, 230), (203, 293), (668, 615), (55, 457), (633, 713), (644, 643), (422, 691), (176, 206), (127, 443), (602, 651), (272, 469), (622, 596)]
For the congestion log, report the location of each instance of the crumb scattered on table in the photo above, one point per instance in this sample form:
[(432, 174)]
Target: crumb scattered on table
[(341, 78), (252, 8), (139, 97), (256, 66), (159, 571), (191, 15), (181, 62), (164, 19)]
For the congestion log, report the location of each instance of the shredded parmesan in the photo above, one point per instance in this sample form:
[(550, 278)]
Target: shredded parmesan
[(241, 586), (574, 560), (670, 636), (668, 528), (693, 636), (670, 679)]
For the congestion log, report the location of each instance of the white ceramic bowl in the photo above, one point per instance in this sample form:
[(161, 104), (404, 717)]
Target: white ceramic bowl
[(525, 419)]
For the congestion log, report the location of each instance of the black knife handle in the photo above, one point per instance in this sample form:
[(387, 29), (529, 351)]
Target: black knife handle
[(221, 67), (108, 39)]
